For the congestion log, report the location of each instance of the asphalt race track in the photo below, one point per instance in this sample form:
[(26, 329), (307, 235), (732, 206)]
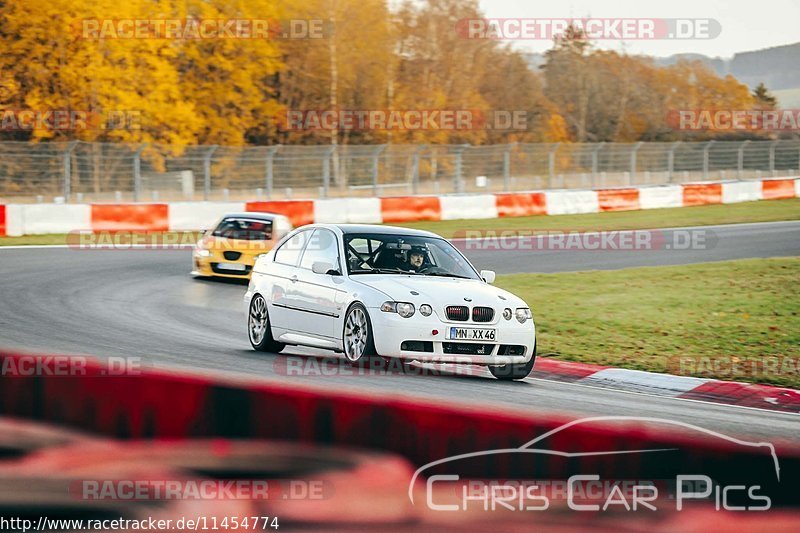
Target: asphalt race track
[(143, 303)]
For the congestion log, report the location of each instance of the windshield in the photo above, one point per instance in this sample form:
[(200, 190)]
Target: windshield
[(244, 229), (375, 253)]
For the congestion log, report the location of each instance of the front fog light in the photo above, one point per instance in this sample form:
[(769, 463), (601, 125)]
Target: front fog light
[(425, 310), (523, 314), (507, 313)]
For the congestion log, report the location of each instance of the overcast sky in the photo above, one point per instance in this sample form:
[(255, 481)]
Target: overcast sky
[(746, 24)]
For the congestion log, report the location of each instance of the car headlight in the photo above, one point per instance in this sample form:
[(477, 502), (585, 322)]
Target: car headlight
[(507, 314), (404, 309), (202, 252), (523, 314), (425, 310)]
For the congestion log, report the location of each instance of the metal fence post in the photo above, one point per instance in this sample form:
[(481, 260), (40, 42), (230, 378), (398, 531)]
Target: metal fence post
[(458, 171), (633, 161), (507, 166), (269, 177), (68, 170), (671, 160), (551, 164), (326, 171), (772, 156), (137, 172), (207, 172), (415, 169), (740, 160), (595, 162), (706, 148), (375, 155)]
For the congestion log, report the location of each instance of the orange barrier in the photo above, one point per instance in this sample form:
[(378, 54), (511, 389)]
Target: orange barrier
[(618, 199), (776, 189), (130, 217), (701, 194), (300, 212), (521, 204), (410, 208), (2, 220)]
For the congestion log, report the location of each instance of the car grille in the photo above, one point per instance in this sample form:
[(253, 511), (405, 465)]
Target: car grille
[(417, 346), (457, 312), (215, 267), (467, 348), (482, 314), (232, 256), (511, 349)]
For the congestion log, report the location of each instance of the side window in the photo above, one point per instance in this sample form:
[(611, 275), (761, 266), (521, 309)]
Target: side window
[(321, 247), (289, 252)]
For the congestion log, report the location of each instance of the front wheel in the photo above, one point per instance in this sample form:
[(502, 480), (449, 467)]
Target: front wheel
[(514, 371), (357, 339), (258, 327)]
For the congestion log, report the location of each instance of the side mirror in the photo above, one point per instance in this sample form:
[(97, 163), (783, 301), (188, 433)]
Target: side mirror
[(323, 267), (488, 275)]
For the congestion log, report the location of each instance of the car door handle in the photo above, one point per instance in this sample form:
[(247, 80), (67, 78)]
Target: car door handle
[(293, 279)]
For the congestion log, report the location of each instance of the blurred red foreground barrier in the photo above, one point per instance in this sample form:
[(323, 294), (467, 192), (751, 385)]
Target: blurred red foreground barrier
[(161, 404)]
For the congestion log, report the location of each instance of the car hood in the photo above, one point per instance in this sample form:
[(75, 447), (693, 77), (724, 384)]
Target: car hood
[(439, 291)]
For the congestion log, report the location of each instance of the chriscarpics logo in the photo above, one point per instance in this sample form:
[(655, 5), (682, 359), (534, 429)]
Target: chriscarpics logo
[(605, 464)]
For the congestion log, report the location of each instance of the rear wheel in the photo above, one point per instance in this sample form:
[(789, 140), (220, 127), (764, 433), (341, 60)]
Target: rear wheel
[(359, 344), (258, 327), (514, 371)]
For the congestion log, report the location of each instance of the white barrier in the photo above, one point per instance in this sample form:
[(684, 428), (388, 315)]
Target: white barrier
[(348, 210), (661, 197), (40, 219), (741, 191), (571, 202), (188, 216), (472, 206)]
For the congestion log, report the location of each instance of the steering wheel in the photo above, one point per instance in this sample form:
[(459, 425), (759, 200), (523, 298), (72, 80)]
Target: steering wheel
[(431, 269)]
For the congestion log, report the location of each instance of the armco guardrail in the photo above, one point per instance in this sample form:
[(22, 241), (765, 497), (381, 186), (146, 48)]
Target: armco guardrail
[(100, 172), (150, 403), (28, 219)]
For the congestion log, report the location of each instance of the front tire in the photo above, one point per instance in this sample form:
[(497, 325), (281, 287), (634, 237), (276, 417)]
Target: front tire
[(258, 327), (514, 371), (357, 339)]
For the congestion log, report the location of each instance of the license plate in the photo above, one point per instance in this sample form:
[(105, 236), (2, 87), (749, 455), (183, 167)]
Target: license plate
[(232, 266), (472, 334)]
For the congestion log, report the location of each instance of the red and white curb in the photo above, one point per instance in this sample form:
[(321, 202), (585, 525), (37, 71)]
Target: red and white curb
[(669, 385)]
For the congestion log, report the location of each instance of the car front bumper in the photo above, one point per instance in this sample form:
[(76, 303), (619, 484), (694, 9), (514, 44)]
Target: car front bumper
[(390, 330), (208, 266)]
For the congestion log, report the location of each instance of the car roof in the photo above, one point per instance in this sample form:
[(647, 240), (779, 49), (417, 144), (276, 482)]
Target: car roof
[(386, 230), (254, 215)]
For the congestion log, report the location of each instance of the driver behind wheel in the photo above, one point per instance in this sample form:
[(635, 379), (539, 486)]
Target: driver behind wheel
[(416, 259)]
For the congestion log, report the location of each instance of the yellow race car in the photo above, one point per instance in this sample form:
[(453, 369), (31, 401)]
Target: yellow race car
[(229, 250)]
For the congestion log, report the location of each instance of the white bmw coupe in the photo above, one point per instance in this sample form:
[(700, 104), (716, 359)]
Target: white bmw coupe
[(381, 291)]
